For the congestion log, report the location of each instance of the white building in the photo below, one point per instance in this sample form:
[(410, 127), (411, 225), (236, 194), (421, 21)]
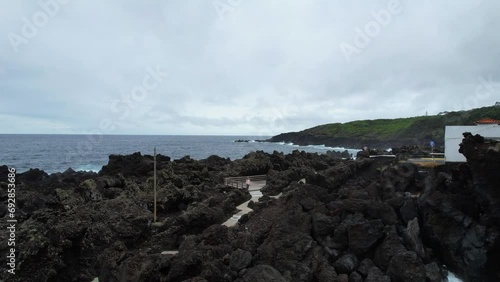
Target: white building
[(453, 135)]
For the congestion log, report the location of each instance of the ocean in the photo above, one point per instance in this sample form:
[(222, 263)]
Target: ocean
[(57, 153)]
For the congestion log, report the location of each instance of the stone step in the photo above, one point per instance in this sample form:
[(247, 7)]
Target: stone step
[(256, 194), (169, 253)]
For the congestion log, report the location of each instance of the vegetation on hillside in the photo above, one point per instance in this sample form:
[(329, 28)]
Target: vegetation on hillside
[(421, 128)]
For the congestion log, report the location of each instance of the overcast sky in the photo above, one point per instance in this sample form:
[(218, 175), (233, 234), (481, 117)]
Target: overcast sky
[(242, 67)]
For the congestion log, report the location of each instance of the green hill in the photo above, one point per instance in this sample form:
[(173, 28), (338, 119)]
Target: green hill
[(387, 132)]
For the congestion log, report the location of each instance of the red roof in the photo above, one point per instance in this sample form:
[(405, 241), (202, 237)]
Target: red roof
[(488, 121)]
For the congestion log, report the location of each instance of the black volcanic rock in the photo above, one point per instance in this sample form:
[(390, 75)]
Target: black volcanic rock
[(69, 220), (376, 275), (351, 220), (391, 245), (365, 266), (362, 155), (433, 272), (240, 259), (326, 273), (483, 156), (255, 163), (406, 267), (460, 218), (215, 163), (305, 138), (407, 151), (346, 264), (364, 236), (132, 165), (4, 173), (263, 273), (32, 176)]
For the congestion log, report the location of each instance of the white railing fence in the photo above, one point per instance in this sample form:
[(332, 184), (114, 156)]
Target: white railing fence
[(240, 181)]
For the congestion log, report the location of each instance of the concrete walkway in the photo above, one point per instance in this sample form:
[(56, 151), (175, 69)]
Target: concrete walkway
[(244, 209), (254, 190)]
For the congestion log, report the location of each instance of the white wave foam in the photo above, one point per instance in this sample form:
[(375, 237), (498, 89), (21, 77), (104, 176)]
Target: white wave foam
[(453, 278), (88, 167), (321, 147)]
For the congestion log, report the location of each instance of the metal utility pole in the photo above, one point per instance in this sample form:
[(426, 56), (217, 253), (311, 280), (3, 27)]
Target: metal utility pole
[(154, 180)]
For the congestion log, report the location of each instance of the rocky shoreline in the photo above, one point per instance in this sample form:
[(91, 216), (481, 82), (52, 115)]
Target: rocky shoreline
[(340, 154), (306, 139), (354, 220)]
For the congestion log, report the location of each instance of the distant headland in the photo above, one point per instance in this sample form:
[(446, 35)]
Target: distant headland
[(386, 133)]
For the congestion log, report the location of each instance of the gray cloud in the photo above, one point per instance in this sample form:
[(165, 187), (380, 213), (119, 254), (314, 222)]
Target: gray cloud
[(262, 68)]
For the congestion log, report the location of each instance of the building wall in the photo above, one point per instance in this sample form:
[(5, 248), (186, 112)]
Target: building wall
[(454, 134)]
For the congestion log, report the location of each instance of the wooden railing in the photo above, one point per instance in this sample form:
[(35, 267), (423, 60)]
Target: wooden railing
[(240, 181)]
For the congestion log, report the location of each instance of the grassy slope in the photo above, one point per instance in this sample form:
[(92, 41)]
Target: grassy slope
[(423, 127)]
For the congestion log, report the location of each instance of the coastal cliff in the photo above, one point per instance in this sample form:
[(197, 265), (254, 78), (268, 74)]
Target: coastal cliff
[(386, 133)]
